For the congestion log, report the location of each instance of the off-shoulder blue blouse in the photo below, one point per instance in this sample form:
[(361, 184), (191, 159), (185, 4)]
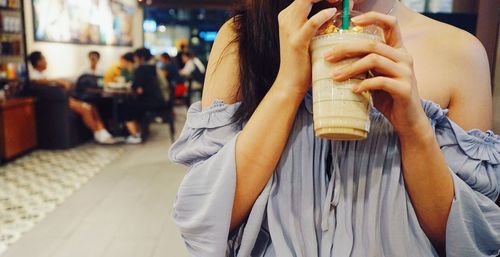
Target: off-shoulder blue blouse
[(354, 205)]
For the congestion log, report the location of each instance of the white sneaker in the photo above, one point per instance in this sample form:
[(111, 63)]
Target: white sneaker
[(133, 140), (103, 137), (108, 141)]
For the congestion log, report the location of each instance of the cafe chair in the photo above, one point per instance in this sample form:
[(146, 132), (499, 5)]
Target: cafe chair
[(57, 126)]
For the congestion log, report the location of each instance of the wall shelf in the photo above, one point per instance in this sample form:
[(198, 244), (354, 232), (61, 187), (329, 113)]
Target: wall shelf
[(11, 55), (3, 8), (10, 32), (3, 80), (15, 53)]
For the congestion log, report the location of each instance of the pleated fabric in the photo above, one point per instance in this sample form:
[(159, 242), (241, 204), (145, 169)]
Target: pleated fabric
[(332, 198)]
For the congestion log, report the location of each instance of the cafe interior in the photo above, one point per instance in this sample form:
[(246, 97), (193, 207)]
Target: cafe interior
[(84, 166)]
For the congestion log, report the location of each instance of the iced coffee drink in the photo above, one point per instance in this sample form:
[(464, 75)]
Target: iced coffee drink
[(339, 113)]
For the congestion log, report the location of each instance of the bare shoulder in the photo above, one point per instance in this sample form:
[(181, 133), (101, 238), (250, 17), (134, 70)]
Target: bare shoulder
[(455, 44), (462, 64), (222, 77)]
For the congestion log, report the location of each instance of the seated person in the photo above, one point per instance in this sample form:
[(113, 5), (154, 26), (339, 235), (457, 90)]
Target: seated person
[(86, 111), (94, 68), (124, 69), (149, 95)]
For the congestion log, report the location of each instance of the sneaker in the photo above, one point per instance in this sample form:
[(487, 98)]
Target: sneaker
[(107, 141), (133, 140), (104, 137)]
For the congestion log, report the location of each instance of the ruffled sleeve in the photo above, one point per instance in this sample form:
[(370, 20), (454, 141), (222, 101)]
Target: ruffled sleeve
[(473, 227), (204, 202)]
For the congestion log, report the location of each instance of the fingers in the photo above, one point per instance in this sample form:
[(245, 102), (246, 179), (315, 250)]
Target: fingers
[(296, 15), (372, 62), (388, 23), (300, 8), (391, 86), (362, 48), (314, 23)]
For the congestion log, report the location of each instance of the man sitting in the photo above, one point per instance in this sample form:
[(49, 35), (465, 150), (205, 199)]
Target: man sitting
[(94, 68), (86, 111)]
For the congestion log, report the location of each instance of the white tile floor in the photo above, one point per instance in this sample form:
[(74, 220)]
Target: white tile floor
[(123, 212)]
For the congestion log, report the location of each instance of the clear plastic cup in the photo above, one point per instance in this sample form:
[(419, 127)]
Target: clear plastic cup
[(339, 113)]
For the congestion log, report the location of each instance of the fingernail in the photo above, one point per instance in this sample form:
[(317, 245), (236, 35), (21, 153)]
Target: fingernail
[(355, 89), (356, 19)]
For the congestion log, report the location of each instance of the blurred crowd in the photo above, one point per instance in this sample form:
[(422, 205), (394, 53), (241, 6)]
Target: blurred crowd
[(142, 82)]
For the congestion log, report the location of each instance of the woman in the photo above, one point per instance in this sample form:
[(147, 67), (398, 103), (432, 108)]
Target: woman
[(122, 69), (420, 185), (149, 95)]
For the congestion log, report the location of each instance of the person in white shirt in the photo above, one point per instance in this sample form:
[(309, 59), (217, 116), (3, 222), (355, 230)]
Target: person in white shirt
[(193, 69), (94, 68), (191, 63), (88, 112)]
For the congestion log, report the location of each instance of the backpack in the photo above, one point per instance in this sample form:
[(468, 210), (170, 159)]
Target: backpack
[(197, 75), (84, 82)]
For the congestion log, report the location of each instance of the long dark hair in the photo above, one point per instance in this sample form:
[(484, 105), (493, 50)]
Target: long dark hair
[(257, 36)]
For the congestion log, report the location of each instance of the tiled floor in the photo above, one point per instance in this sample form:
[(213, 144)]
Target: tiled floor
[(32, 186), (125, 211)]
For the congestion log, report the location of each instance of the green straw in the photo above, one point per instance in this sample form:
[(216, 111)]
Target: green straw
[(345, 14)]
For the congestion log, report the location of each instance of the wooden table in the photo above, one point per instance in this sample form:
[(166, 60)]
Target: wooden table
[(17, 127)]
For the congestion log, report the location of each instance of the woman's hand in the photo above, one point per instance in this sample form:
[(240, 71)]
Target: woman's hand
[(296, 32), (394, 87)]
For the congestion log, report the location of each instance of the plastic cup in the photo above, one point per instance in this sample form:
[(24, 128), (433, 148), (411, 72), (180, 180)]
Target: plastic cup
[(338, 112)]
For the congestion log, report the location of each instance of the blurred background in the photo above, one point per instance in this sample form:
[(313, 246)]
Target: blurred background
[(103, 185)]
